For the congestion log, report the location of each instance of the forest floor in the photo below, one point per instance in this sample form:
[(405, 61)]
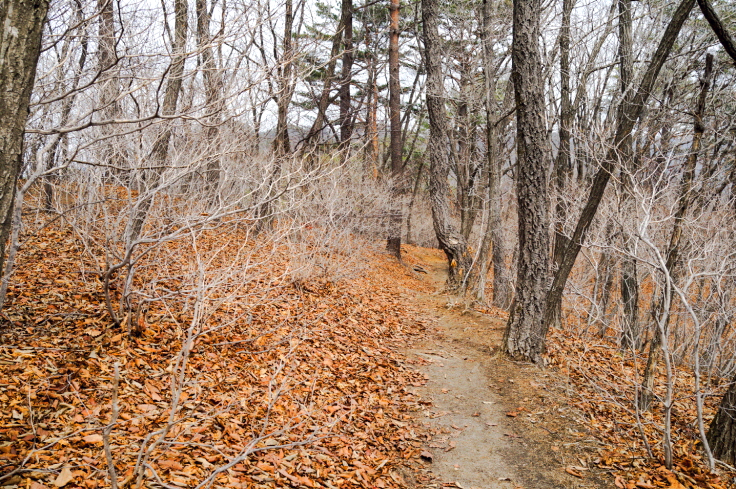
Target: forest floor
[(381, 380), (496, 423)]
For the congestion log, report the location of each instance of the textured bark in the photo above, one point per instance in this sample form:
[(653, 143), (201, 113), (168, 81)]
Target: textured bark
[(394, 240), (450, 240), (525, 333), (111, 152), (20, 44), (630, 336), (715, 23), (493, 235), (213, 94), (348, 56), (563, 163), (722, 432), (281, 144), (628, 115)]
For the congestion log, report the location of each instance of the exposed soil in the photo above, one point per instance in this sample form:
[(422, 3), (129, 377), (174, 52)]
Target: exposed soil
[(496, 423)]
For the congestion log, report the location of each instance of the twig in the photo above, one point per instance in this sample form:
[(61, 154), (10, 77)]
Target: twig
[(108, 429)]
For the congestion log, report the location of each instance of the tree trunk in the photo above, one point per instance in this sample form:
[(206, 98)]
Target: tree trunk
[(628, 115), (722, 432), (563, 163), (20, 45), (394, 240), (281, 143), (109, 105), (525, 333), (630, 337), (493, 235), (450, 240), (324, 99), (715, 23), (346, 125), (661, 311), (213, 97)]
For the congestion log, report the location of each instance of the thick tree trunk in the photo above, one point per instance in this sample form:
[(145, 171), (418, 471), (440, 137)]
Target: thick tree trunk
[(525, 332), (450, 240), (20, 45), (722, 432), (628, 115), (394, 240)]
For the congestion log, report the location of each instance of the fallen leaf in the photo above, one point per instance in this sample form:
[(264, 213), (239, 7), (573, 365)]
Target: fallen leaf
[(64, 478), (574, 472), (93, 439)]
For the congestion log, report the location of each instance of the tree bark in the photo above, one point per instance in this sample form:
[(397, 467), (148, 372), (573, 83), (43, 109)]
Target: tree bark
[(493, 235), (348, 56), (112, 153), (281, 143), (213, 96), (393, 244), (20, 46), (630, 336), (628, 115), (715, 23), (450, 240), (722, 432), (525, 333), (563, 163)]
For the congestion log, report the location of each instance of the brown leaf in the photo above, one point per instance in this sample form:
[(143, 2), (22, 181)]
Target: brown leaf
[(426, 455), (64, 478), (574, 472), (93, 439)]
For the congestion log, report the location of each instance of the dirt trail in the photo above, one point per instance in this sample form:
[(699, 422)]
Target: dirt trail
[(496, 423)]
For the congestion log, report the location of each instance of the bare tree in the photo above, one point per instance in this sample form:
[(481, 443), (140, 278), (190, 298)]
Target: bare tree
[(451, 241)]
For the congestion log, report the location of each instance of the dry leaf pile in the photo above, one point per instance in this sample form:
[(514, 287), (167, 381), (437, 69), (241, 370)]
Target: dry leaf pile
[(604, 381), (262, 382)]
